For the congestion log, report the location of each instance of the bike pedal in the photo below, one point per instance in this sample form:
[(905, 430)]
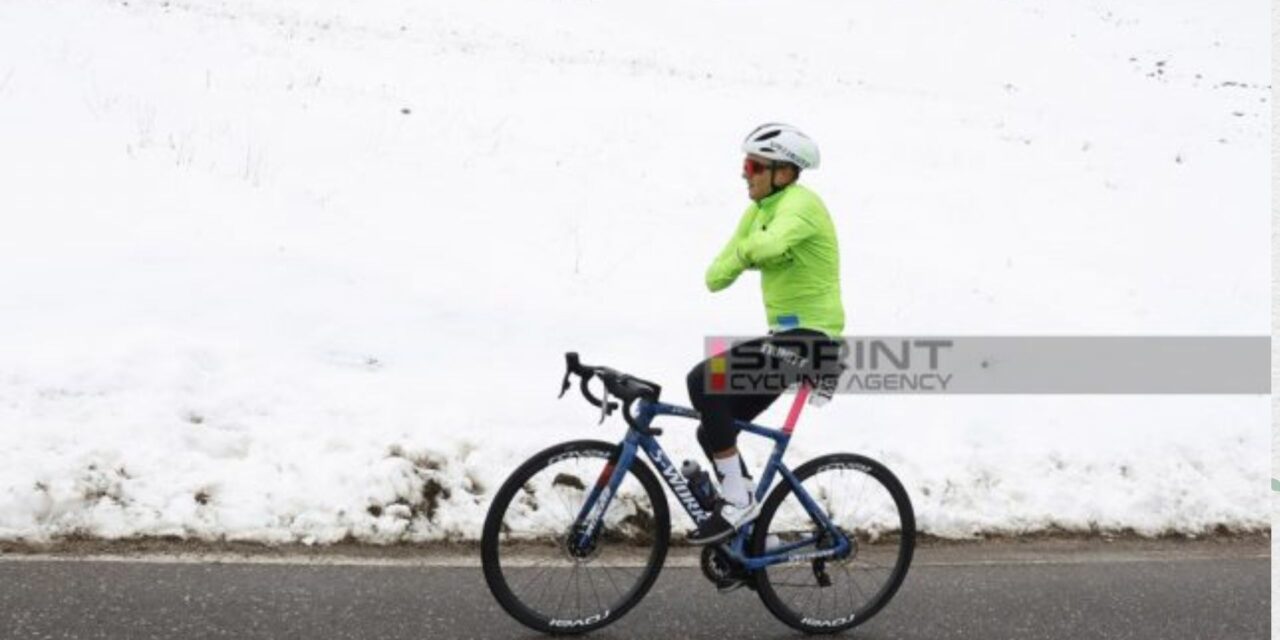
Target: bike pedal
[(820, 572)]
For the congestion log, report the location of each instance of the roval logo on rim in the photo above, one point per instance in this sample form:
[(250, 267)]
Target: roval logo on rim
[(568, 624), (856, 466), (569, 455), (835, 622)]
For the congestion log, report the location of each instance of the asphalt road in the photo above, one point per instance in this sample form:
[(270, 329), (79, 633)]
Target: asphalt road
[(1041, 590)]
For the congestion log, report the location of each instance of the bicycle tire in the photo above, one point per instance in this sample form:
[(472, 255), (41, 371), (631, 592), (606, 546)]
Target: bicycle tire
[(905, 536), (498, 575)]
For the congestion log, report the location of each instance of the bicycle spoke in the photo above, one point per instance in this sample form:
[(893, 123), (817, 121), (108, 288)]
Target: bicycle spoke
[(610, 579), (569, 511), (577, 591), (595, 592), (854, 586), (544, 595), (622, 570), (536, 577), (560, 602)]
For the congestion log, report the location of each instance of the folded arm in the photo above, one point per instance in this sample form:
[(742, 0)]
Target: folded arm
[(787, 229), (730, 264)]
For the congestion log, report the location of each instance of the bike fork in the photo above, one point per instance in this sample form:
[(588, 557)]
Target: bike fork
[(587, 523)]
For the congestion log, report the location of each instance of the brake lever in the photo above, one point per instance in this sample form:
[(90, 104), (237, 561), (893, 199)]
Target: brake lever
[(564, 384), (605, 407)]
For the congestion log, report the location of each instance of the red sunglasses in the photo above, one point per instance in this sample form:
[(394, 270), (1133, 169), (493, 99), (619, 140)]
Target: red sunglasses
[(752, 167)]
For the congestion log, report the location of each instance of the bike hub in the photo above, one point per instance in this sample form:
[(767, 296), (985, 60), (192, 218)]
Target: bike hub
[(580, 552)]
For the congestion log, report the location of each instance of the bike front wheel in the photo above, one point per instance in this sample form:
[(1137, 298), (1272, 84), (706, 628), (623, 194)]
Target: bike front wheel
[(531, 563), (869, 507)]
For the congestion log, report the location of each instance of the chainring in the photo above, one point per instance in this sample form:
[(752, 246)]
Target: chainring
[(716, 565)]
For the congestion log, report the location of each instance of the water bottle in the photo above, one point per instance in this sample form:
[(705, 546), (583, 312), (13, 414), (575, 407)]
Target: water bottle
[(704, 490)]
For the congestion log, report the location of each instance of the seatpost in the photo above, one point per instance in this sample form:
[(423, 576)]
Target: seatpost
[(794, 414)]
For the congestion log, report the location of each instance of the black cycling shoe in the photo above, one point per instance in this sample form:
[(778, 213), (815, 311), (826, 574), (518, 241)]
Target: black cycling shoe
[(731, 585), (727, 519)]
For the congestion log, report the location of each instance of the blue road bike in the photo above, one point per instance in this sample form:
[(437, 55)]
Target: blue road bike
[(577, 535)]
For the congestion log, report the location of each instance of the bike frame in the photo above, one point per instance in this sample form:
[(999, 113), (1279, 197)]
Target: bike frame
[(639, 438)]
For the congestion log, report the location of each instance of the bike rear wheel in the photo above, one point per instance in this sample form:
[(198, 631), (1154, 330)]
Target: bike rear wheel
[(864, 500), (531, 567)]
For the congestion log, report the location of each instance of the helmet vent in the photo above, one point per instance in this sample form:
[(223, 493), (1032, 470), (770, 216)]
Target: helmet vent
[(782, 143)]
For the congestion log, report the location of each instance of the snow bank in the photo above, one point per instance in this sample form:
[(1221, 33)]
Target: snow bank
[(302, 271)]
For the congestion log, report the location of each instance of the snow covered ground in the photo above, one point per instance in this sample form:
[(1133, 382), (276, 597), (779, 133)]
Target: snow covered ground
[(298, 270)]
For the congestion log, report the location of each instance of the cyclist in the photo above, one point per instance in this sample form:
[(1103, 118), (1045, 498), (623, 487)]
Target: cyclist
[(787, 235)]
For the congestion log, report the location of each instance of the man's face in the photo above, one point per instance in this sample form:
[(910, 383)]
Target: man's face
[(760, 174)]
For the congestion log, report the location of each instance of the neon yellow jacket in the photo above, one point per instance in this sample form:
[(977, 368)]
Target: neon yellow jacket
[(789, 237)]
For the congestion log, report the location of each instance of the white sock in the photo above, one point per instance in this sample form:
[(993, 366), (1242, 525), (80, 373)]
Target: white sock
[(735, 488)]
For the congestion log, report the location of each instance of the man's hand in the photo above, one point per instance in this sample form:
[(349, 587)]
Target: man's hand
[(778, 261)]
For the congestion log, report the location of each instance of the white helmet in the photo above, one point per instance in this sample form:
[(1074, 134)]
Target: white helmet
[(777, 141)]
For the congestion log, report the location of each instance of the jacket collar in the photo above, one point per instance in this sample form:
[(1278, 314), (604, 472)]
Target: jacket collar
[(770, 200)]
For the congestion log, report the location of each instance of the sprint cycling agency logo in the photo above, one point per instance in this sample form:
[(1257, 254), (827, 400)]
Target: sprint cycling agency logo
[(990, 364), (776, 363)]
